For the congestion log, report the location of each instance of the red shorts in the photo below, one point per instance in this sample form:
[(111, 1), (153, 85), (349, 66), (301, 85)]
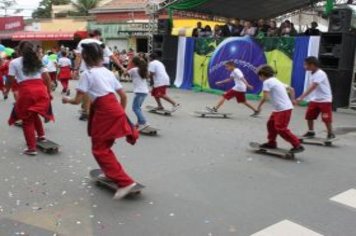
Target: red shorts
[(315, 108), (240, 96), (159, 91)]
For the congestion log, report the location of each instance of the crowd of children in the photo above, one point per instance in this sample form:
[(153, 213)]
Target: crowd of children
[(32, 84)]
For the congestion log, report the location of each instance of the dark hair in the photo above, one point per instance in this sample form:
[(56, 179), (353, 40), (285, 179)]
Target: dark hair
[(92, 54), (265, 71), (30, 60), (142, 67), (230, 63), (153, 56), (95, 33), (312, 61), (64, 53)]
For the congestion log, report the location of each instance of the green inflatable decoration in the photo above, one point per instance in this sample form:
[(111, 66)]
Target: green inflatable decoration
[(53, 57), (9, 51)]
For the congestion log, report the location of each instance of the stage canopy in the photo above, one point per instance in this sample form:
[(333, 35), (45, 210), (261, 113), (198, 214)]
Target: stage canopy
[(243, 9)]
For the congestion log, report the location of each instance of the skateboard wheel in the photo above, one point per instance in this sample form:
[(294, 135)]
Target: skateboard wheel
[(328, 144), (203, 116)]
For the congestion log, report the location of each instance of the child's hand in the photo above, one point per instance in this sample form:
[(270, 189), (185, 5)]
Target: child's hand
[(65, 100), (295, 102), (250, 87), (218, 83)]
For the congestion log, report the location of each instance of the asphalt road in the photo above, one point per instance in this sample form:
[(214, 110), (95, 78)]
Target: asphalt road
[(201, 178)]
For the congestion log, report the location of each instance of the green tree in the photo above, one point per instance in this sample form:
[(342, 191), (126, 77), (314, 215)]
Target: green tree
[(84, 6), (5, 5), (44, 10), (61, 2)]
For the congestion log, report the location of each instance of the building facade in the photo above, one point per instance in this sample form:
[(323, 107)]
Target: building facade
[(124, 24)]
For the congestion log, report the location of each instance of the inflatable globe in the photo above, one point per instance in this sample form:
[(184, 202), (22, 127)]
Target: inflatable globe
[(246, 54)]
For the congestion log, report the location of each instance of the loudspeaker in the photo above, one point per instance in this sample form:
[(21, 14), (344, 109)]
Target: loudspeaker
[(337, 50), (340, 20), (166, 47), (340, 82)]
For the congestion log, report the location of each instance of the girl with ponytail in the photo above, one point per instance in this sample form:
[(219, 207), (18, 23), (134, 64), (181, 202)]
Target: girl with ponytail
[(34, 95), (139, 76)]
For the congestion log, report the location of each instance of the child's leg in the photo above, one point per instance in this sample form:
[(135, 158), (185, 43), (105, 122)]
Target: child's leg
[(39, 126), (327, 116), (220, 103), (250, 106), (282, 120), (272, 132), (168, 99), (136, 107), (28, 127), (311, 115), (159, 103), (109, 164)]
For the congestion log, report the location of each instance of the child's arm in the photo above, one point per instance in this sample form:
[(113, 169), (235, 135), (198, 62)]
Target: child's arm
[(291, 92), (263, 100), (224, 81), (74, 101), (123, 97), (249, 86), (8, 84), (308, 92)]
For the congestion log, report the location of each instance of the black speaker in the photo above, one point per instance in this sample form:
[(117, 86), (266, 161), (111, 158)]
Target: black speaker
[(337, 50), (340, 82), (340, 20), (166, 47)]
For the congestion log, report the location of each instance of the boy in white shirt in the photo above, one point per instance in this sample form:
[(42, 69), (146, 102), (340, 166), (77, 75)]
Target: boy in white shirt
[(160, 78), (320, 98), (283, 107), (238, 91)]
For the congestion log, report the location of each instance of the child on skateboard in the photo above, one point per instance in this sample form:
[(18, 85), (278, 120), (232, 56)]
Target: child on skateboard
[(139, 76), (160, 78), (65, 73), (107, 120), (238, 91), (283, 107), (320, 98), (34, 95)]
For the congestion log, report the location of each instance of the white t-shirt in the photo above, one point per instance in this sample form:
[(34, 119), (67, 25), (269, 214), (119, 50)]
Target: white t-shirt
[(139, 85), (238, 77), (160, 77), (278, 93), (107, 52), (16, 70), (49, 64), (98, 82), (322, 93), (64, 61)]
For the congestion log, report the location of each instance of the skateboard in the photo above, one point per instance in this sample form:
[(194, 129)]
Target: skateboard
[(48, 147), (284, 153), (153, 109), (94, 175), (317, 141), (149, 131), (204, 114)]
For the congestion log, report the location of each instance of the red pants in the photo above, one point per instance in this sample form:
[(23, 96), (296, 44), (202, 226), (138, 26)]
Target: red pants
[(2, 85), (108, 163), (315, 108), (30, 126), (53, 76), (278, 125), (64, 83)]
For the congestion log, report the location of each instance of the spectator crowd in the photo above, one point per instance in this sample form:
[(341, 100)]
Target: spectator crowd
[(260, 28)]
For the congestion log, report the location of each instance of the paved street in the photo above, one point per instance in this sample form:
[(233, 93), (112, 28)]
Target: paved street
[(200, 177)]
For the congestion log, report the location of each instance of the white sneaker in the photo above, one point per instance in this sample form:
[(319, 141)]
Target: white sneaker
[(123, 192), (142, 127), (176, 107)]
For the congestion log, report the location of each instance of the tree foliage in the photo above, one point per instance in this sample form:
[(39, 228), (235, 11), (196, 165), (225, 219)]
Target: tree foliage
[(84, 6)]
